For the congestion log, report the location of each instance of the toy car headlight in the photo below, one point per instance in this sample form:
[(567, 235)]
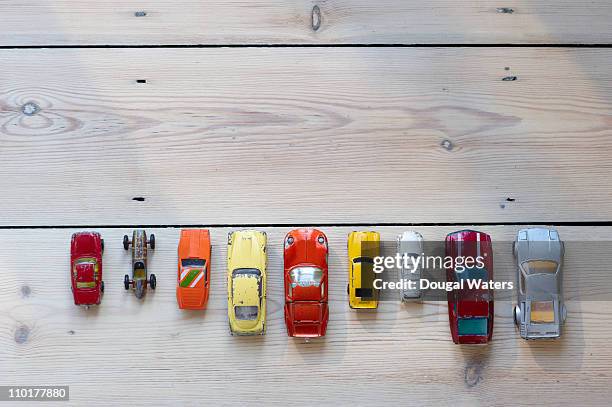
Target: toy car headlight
[(289, 241)]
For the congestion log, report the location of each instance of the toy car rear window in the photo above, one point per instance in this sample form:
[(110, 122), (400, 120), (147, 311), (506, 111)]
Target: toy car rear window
[(472, 326), (193, 262), (542, 312), (368, 260), (540, 267), (246, 272), (246, 313), (364, 292), (306, 276)]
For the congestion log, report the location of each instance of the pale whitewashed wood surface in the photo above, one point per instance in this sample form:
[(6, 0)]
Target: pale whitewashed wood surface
[(82, 22), (295, 135), (150, 353)]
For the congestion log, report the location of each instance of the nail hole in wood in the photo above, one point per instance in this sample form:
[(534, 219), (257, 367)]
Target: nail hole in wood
[(26, 291), (505, 10), (316, 18), (21, 334), (30, 109), (447, 145), (141, 81), (138, 198), (473, 374), (140, 13)]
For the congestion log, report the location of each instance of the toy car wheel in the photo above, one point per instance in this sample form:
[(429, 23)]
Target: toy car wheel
[(347, 290), (517, 315), (102, 286), (152, 242), (102, 245), (126, 282), (126, 242), (563, 313), (153, 281)]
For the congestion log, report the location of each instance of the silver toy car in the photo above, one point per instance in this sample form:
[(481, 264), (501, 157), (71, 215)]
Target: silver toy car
[(411, 244), (140, 278), (540, 311)]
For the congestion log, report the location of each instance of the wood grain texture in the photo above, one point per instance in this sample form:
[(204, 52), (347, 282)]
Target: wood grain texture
[(304, 136), (151, 353), (82, 22)]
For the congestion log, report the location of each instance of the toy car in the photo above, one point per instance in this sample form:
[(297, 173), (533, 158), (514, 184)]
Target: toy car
[(411, 244), (86, 250), (362, 248), (193, 279), (540, 311), (470, 310), (140, 278), (305, 258), (246, 282)]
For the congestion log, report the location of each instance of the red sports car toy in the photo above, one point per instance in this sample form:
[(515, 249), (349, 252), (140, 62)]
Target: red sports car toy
[(306, 309), (470, 309), (86, 250)]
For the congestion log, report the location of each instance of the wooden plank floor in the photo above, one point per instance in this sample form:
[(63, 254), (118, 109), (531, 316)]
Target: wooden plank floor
[(154, 22), (231, 114), (149, 352), (406, 136)]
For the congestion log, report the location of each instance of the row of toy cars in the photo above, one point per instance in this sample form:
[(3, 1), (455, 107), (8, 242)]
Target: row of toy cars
[(539, 252)]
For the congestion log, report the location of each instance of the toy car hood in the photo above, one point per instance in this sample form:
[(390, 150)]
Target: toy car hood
[(539, 244), (84, 244), (248, 250), (309, 318), (306, 249)]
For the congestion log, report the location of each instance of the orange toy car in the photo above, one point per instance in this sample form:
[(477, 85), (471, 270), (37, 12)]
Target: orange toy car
[(193, 282)]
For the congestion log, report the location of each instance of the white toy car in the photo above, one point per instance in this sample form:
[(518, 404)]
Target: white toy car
[(410, 243)]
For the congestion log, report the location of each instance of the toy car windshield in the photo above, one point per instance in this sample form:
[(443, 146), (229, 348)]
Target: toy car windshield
[(246, 273), (540, 267), (193, 263), (306, 276), (367, 260)]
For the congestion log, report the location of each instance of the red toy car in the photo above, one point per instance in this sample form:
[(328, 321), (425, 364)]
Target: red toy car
[(86, 250), (306, 309), (470, 310)]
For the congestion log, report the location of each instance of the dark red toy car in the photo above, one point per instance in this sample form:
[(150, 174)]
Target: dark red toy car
[(306, 309), (470, 310), (86, 250)]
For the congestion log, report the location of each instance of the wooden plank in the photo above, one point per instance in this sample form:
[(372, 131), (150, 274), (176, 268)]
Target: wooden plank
[(81, 22), (151, 353), (304, 136)]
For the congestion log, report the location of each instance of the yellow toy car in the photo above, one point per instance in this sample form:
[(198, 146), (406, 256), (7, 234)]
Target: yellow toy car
[(362, 248), (246, 282)]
